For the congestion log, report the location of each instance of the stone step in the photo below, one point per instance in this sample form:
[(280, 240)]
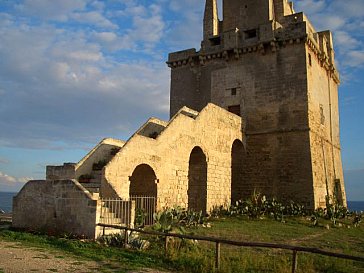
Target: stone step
[(92, 187)]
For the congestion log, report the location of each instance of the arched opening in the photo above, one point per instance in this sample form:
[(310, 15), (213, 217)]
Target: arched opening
[(143, 182), (197, 181), (143, 190), (237, 151)]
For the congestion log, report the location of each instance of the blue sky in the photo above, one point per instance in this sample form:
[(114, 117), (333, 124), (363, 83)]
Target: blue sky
[(75, 71)]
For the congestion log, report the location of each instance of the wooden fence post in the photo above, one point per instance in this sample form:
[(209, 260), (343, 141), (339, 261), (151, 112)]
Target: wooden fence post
[(217, 255), (125, 237), (166, 244), (294, 261)]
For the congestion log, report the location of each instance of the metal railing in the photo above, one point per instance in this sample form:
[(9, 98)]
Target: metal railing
[(218, 242), (145, 205), (123, 212), (117, 212)]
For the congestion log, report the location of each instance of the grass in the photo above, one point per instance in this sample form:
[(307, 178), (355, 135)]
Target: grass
[(188, 256), (296, 231), (109, 257)]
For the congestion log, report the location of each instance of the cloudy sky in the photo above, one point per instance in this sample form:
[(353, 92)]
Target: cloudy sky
[(75, 71)]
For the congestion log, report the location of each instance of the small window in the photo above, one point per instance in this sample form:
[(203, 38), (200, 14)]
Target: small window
[(233, 91), (322, 115), (214, 41), (309, 59), (250, 34), (235, 109)]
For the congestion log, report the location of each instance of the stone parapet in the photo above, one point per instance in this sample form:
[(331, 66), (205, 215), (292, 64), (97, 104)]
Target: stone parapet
[(55, 207)]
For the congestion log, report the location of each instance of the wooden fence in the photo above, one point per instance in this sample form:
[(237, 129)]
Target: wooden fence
[(218, 242)]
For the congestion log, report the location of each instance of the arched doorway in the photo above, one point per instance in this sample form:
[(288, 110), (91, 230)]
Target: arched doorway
[(143, 190), (197, 181), (237, 151), (143, 181)]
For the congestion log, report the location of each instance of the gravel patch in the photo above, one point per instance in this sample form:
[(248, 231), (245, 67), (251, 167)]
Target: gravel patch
[(16, 258)]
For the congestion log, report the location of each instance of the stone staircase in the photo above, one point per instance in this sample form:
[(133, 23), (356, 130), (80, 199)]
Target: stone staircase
[(94, 185), (110, 218)]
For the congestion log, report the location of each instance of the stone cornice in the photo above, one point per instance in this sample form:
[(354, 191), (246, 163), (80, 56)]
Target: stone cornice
[(203, 57), (323, 59)]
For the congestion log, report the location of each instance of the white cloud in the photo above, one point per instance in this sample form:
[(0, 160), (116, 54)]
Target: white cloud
[(94, 18), (132, 9), (350, 9), (345, 20), (7, 181), (75, 82), (61, 85), (105, 37), (148, 29), (355, 58), (345, 40), (52, 9)]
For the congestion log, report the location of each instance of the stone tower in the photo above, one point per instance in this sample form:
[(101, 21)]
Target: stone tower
[(268, 64)]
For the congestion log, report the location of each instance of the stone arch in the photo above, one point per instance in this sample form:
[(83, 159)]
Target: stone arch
[(237, 154), (143, 181), (197, 180)]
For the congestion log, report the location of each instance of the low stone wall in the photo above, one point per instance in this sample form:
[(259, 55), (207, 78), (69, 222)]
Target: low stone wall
[(56, 206)]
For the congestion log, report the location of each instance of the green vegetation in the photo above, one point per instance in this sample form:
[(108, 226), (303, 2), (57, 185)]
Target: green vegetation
[(190, 256), (258, 219), (114, 150), (97, 166)]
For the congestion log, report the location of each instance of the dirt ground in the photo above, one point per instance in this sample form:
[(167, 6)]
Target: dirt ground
[(15, 258)]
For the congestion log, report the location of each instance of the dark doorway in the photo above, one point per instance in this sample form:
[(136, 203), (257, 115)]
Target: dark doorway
[(235, 109), (143, 191), (143, 182), (197, 181), (237, 151)]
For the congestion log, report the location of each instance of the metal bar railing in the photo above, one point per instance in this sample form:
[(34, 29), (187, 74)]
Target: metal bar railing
[(118, 211), (219, 241)]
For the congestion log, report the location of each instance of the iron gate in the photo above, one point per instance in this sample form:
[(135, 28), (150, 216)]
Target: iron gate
[(120, 211)]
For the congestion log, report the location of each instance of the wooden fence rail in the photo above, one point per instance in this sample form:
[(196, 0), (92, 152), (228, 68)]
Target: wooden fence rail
[(219, 241)]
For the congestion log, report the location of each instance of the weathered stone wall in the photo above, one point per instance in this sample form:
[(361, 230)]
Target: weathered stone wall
[(270, 89), (66, 171), (279, 90), (59, 206), (323, 112), (246, 14), (213, 130), (103, 151)]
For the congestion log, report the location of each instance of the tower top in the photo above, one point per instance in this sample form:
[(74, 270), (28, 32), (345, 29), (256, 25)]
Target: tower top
[(211, 20), (255, 25)]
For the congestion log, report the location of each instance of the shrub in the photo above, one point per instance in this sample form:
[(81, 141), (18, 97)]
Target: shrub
[(175, 219), (97, 166)]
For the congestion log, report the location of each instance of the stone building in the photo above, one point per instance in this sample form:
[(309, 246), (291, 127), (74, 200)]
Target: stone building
[(268, 64), (264, 93)]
